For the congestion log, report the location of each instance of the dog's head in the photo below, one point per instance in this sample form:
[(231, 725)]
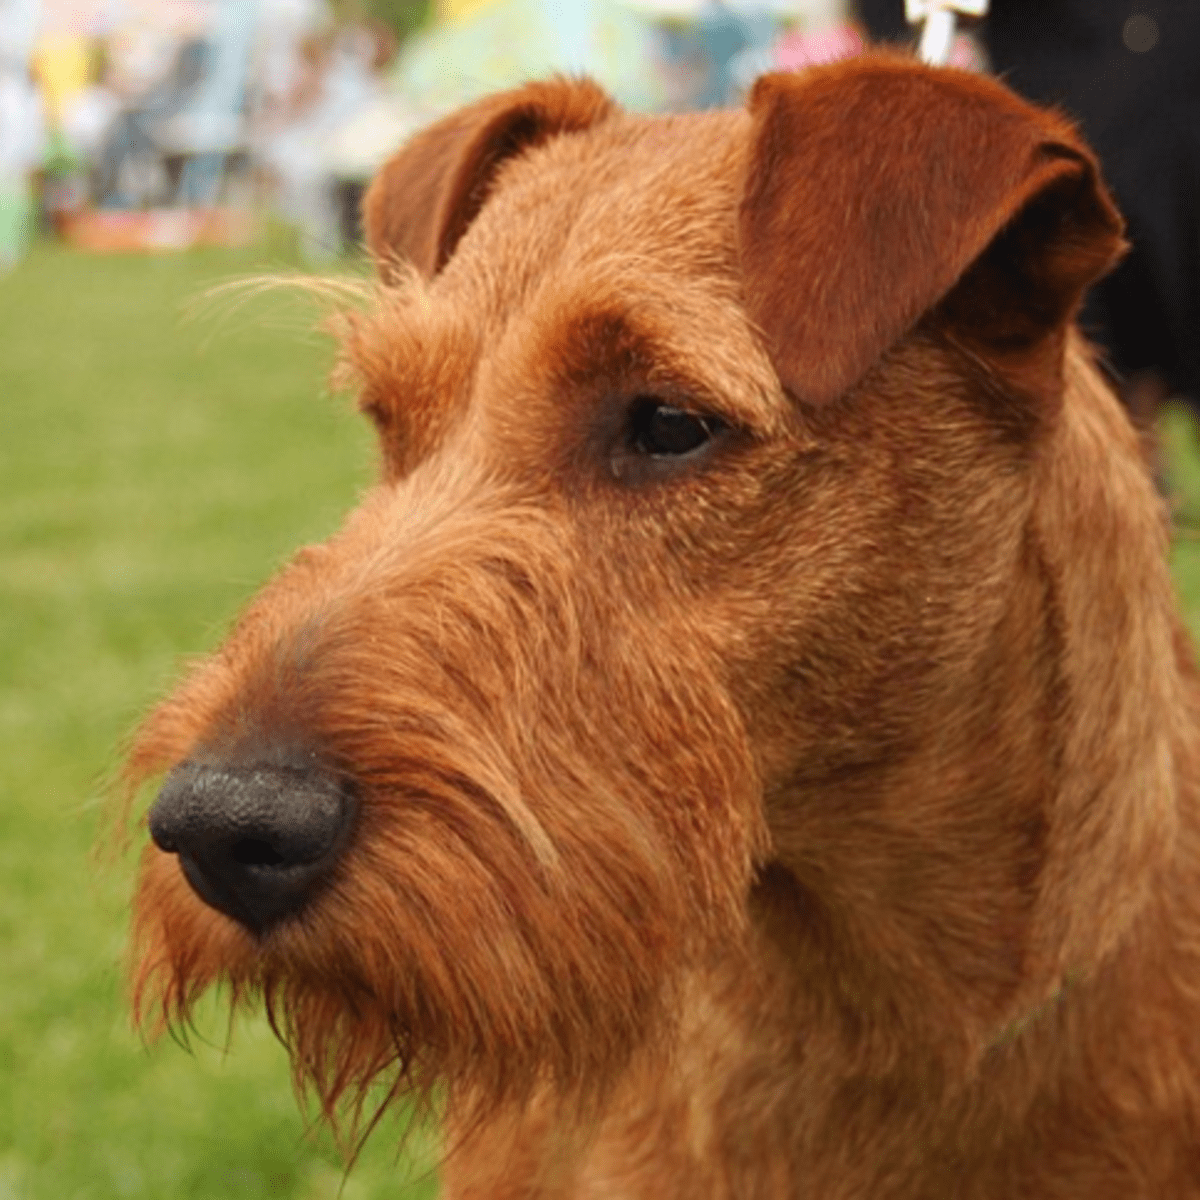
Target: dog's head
[(758, 562)]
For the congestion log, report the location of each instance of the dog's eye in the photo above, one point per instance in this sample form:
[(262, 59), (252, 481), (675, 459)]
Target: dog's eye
[(664, 431)]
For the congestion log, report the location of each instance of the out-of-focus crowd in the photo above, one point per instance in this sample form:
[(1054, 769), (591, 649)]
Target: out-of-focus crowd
[(140, 124), (127, 122)]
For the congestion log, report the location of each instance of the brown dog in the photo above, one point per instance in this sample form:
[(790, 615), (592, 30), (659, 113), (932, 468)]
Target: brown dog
[(744, 745)]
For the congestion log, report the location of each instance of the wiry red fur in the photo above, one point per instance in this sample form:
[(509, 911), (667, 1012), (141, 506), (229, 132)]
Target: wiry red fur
[(815, 818), (497, 810)]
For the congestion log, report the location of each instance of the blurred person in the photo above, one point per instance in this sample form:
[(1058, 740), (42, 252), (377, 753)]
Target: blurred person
[(88, 118), (284, 79), (22, 127), (141, 55), (345, 81), (62, 62), (131, 172), (1129, 73), (78, 116), (205, 136)]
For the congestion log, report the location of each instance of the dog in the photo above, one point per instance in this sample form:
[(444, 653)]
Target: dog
[(745, 745)]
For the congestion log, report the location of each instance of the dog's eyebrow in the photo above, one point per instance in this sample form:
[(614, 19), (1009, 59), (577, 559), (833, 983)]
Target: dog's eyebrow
[(660, 342), (409, 362)]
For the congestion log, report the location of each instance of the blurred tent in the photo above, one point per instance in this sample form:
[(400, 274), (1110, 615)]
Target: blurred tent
[(504, 43)]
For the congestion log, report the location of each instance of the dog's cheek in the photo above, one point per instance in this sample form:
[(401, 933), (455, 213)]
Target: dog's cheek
[(881, 622)]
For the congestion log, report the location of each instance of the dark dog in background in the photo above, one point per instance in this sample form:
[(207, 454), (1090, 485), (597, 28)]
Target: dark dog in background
[(1129, 74)]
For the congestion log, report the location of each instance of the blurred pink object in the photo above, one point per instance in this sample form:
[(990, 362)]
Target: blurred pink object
[(966, 55), (126, 231), (795, 51)]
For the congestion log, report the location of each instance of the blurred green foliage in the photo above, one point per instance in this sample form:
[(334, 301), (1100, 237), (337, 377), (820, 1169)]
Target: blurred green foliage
[(401, 16)]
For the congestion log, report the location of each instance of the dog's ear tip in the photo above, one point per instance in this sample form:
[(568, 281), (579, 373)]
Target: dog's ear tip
[(763, 90), (424, 197), (571, 92)]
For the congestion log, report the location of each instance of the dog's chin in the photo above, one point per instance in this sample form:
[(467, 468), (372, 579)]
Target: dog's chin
[(365, 1022), (348, 1046)]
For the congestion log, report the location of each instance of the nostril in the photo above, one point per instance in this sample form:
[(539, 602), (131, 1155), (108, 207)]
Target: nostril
[(254, 852)]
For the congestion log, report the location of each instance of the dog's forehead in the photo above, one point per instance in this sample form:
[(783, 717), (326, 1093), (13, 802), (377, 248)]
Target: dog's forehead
[(630, 228), (659, 191)]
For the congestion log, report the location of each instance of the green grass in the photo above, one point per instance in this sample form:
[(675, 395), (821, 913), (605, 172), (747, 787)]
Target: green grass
[(1180, 442), (152, 472)]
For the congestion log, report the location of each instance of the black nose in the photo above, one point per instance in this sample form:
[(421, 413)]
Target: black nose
[(256, 842)]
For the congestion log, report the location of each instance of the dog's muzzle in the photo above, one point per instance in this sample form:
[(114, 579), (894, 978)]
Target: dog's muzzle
[(255, 842)]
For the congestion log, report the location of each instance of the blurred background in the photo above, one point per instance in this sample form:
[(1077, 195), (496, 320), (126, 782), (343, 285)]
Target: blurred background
[(161, 454), (161, 124)]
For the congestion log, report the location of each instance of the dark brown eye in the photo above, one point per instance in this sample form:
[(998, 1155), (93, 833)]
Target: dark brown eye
[(664, 431)]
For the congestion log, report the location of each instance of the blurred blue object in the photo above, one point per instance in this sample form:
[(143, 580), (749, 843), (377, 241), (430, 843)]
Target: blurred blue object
[(727, 37), (510, 42), (717, 48), (211, 125), (195, 117)]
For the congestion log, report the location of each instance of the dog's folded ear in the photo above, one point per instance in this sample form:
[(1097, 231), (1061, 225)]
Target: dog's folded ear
[(954, 195), (429, 192)]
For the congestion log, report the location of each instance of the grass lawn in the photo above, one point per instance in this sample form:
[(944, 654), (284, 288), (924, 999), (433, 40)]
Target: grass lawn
[(153, 470), (152, 473)]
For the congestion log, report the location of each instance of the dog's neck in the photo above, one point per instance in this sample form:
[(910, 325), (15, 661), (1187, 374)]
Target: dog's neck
[(1001, 981)]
